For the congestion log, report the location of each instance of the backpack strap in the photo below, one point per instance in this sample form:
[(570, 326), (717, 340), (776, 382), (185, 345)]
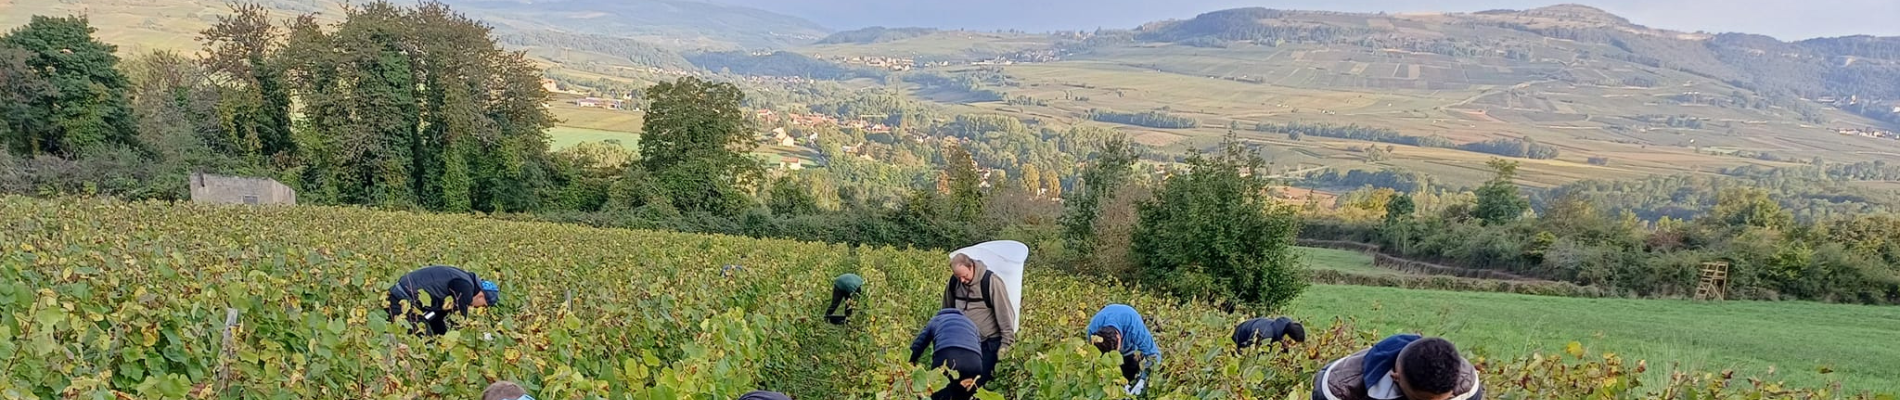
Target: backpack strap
[(950, 293), (950, 298), (987, 275)]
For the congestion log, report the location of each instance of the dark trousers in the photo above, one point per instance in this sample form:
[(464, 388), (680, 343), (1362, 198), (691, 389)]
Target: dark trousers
[(963, 364), (838, 297), (426, 322), (990, 347), (1131, 368)]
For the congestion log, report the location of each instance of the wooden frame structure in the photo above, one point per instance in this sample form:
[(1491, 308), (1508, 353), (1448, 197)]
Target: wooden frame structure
[(1714, 282)]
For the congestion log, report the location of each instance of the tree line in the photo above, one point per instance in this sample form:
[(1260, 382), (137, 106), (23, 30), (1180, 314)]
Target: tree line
[(1152, 119), (1513, 147), (1591, 233), (1295, 130)]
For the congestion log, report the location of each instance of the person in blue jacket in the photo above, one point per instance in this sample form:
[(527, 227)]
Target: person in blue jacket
[(954, 345), (1119, 327)]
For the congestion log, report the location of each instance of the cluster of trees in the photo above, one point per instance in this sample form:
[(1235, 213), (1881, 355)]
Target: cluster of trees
[(1152, 119), (972, 87), (1577, 238), (1214, 232), (1689, 196), (1860, 171), (1390, 178), (1296, 130), (779, 63), (1513, 147), (398, 107), (1675, 121)]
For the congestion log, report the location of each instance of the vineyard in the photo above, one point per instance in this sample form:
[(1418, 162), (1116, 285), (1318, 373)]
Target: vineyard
[(102, 299)]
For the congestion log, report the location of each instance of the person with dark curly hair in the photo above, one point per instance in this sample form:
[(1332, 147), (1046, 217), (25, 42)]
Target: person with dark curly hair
[(1401, 366)]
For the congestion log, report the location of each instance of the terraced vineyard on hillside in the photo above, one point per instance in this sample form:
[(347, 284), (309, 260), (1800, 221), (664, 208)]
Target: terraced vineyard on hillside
[(101, 299)]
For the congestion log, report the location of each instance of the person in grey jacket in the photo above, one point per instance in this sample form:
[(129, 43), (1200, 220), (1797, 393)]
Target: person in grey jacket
[(984, 298)]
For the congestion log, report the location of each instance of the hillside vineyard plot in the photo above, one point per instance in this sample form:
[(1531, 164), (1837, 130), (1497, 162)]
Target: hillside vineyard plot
[(101, 299)]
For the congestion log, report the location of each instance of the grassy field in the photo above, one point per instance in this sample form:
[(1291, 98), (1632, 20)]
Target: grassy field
[(567, 136), (1794, 339), (1752, 337), (1342, 260)]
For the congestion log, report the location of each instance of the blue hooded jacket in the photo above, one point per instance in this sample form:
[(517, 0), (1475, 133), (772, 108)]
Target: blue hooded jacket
[(1135, 336), (1385, 355)]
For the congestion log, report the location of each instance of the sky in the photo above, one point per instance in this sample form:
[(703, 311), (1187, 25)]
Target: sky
[(1784, 19)]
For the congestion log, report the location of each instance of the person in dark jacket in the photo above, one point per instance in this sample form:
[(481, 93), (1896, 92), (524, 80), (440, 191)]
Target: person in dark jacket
[(1401, 366), (844, 291), (984, 298), (447, 289), (1267, 332), (954, 345)]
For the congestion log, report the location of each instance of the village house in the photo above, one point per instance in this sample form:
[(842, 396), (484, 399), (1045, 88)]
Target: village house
[(778, 136), (790, 163), (596, 102)]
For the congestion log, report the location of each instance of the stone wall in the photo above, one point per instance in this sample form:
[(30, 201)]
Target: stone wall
[(219, 189)]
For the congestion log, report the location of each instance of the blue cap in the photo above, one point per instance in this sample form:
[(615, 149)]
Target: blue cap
[(492, 291)]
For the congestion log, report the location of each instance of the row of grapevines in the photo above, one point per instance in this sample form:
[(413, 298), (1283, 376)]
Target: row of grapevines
[(102, 299)]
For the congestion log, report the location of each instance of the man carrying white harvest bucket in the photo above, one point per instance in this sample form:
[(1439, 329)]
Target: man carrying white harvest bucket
[(448, 289), (985, 284)]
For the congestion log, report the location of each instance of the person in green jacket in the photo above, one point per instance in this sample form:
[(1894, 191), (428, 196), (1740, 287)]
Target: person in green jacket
[(844, 291)]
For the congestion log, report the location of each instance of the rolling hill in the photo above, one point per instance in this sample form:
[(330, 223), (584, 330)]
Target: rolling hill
[(1615, 98)]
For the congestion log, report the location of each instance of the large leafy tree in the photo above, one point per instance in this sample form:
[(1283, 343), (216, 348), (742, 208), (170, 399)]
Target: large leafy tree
[(415, 107), (87, 104), (241, 54), (695, 141), (1498, 200), (1101, 178), (22, 90), (963, 184), (1214, 231)]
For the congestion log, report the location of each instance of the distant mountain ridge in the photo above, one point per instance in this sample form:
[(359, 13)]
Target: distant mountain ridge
[(1844, 66)]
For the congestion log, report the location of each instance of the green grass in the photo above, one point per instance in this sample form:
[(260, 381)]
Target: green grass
[(565, 137), (1342, 260), (1794, 338)]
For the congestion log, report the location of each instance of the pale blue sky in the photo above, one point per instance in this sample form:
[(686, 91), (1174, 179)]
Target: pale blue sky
[(1784, 19)]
